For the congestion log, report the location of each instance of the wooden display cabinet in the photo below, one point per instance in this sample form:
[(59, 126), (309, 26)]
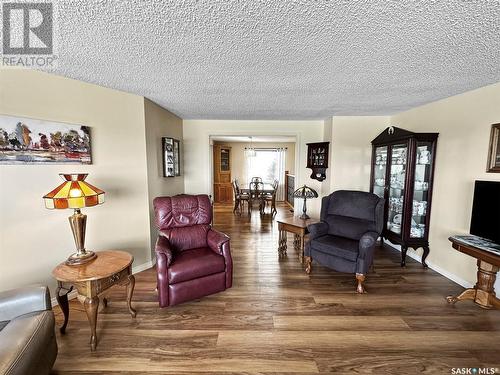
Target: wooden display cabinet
[(223, 191), (317, 159), (403, 174)]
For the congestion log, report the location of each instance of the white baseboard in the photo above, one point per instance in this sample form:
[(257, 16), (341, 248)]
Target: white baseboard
[(142, 267), (412, 254), (135, 269)]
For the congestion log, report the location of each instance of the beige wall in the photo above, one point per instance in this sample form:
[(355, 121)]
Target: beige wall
[(238, 162), (197, 151), (33, 240), (463, 123), (351, 150), (160, 123), (327, 136)]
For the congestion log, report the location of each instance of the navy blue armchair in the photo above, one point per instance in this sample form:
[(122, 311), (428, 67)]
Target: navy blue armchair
[(345, 239)]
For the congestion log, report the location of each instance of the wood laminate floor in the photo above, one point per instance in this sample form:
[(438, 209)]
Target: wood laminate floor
[(277, 320)]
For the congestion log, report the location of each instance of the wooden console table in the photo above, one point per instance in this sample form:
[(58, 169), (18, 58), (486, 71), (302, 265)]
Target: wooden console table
[(91, 280), (488, 265), (296, 226)]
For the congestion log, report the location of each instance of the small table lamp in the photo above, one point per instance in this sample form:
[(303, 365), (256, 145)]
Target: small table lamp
[(75, 193), (305, 192)]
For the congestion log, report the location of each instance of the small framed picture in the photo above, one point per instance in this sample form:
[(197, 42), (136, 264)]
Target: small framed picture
[(171, 157), (177, 157), (494, 151)]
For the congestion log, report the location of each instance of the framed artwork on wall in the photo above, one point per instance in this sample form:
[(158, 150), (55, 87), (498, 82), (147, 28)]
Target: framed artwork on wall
[(31, 141), (171, 157), (494, 150), (177, 157)]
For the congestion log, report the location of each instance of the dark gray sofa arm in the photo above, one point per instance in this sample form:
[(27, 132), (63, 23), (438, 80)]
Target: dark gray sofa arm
[(317, 230), (16, 302), (366, 250)]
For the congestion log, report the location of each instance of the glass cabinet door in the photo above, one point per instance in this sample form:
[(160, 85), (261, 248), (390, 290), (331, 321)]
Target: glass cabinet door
[(224, 160), (421, 190), (379, 171), (396, 188)]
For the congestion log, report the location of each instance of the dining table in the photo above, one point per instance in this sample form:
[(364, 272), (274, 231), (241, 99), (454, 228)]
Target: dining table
[(265, 188)]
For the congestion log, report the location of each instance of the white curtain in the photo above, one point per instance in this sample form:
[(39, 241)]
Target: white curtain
[(269, 164), (280, 195)]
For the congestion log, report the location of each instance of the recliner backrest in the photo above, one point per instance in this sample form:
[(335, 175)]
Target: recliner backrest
[(184, 220), (350, 214)]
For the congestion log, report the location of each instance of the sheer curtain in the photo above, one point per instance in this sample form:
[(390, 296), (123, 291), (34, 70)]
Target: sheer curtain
[(269, 164)]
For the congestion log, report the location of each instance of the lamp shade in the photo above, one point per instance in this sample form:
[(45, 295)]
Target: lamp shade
[(74, 193), (305, 192)]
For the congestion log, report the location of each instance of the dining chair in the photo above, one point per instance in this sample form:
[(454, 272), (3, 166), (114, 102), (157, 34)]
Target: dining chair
[(237, 202), (271, 197), (239, 197), (256, 194), (256, 179)]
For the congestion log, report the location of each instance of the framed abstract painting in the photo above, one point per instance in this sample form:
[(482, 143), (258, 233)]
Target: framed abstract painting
[(31, 141)]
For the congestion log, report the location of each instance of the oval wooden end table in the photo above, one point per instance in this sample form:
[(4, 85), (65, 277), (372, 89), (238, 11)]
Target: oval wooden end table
[(110, 268)]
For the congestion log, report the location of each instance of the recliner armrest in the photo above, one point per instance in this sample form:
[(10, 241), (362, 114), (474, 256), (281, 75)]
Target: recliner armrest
[(220, 243), (367, 243), (317, 230), (164, 254), (20, 301), (216, 240)]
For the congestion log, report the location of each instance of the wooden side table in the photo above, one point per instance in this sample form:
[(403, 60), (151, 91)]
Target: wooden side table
[(488, 265), (296, 226), (91, 280)]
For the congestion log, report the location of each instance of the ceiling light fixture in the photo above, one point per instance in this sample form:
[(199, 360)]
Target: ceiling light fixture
[(250, 151)]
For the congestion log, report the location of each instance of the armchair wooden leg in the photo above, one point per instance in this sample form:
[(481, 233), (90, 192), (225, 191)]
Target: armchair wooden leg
[(308, 262), (361, 278)]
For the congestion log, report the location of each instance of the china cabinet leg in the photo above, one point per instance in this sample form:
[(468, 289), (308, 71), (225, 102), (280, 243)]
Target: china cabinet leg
[(424, 256), (404, 249)]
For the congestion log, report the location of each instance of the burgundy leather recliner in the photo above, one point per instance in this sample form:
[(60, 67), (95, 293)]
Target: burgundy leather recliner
[(192, 259)]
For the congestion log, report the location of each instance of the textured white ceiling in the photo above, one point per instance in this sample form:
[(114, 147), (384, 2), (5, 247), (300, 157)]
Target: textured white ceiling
[(282, 59)]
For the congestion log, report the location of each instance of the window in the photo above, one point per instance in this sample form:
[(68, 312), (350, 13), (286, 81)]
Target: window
[(269, 164)]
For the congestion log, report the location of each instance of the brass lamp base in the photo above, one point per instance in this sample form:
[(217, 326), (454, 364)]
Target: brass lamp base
[(78, 222), (77, 259)]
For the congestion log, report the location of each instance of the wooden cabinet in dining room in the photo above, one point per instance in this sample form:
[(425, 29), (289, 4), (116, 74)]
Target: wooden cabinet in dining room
[(223, 192)]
